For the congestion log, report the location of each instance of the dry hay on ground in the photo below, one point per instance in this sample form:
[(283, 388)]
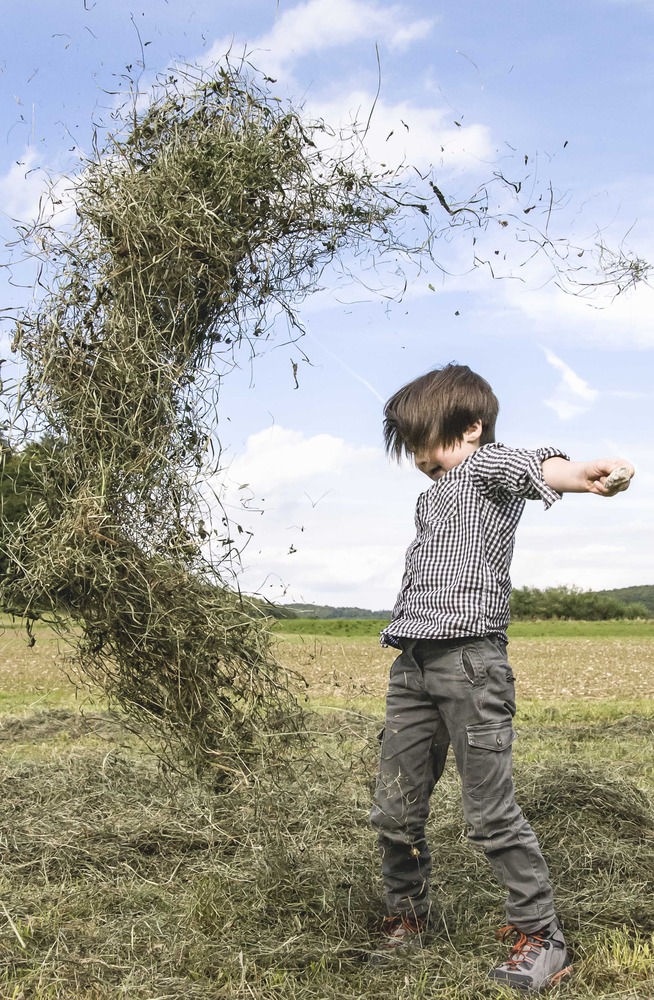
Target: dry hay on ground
[(122, 881), (52, 723), (548, 670)]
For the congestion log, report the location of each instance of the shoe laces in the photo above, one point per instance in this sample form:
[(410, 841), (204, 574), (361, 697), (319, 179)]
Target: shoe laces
[(525, 947), (399, 922)]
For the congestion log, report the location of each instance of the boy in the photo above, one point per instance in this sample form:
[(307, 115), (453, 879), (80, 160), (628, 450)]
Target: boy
[(451, 683)]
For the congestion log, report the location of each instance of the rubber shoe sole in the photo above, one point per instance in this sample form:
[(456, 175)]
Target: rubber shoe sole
[(537, 962), (525, 987)]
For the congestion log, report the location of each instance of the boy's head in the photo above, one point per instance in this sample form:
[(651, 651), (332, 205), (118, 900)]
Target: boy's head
[(438, 412)]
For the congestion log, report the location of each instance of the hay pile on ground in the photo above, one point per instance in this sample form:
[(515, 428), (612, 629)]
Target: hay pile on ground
[(120, 880), (205, 216)]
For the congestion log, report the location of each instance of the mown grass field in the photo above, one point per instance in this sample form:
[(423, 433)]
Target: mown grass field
[(121, 879), (371, 627)]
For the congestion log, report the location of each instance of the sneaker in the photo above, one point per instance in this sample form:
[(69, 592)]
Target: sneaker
[(536, 961), (402, 934)]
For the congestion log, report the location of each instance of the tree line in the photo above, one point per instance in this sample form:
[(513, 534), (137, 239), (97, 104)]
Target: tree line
[(530, 604)]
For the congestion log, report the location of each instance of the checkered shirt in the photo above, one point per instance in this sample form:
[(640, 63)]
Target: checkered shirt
[(456, 582)]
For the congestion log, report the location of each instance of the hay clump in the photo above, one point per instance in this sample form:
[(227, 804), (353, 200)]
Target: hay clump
[(597, 833), (203, 217)]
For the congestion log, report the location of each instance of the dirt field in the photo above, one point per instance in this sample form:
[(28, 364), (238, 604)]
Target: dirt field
[(545, 669), (350, 668)]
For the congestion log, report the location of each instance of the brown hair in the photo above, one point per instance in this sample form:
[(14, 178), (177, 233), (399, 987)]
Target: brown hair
[(437, 409)]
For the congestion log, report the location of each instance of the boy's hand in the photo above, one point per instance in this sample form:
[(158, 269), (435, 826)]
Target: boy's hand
[(608, 476), (588, 477)]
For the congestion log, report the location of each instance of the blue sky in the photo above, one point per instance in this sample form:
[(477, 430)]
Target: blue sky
[(480, 87)]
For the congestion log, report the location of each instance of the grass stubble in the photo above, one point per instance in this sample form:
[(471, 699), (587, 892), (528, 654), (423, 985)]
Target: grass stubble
[(121, 878)]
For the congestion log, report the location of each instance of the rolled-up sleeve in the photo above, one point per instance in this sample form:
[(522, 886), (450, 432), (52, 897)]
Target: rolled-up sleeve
[(497, 472)]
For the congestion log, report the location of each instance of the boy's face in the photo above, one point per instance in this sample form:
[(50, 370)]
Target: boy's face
[(435, 461)]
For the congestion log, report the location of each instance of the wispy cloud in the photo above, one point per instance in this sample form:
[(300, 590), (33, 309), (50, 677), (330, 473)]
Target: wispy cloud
[(573, 395), (417, 131), (277, 459), (28, 192)]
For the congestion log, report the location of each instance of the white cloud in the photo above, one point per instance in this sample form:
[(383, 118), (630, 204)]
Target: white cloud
[(336, 518), (602, 320), (594, 547), (589, 541), (403, 132), (398, 131), (573, 395), (317, 25), (276, 458), (568, 270)]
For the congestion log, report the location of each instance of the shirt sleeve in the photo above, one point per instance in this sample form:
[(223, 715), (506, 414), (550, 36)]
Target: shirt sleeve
[(499, 472)]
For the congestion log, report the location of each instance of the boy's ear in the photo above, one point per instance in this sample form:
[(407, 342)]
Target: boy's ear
[(474, 432)]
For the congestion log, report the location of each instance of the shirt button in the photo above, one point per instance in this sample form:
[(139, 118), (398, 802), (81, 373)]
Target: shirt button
[(499, 741)]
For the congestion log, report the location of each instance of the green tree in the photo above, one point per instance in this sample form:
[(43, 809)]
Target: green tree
[(21, 486), (529, 603)]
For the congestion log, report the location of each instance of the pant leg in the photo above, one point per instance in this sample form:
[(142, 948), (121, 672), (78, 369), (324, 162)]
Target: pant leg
[(472, 685), (413, 753)]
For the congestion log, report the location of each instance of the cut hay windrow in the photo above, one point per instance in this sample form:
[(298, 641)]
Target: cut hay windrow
[(125, 881)]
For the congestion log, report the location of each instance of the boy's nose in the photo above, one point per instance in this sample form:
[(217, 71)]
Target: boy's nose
[(424, 459)]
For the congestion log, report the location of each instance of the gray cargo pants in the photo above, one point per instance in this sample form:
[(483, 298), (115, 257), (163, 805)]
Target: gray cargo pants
[(459, 692)]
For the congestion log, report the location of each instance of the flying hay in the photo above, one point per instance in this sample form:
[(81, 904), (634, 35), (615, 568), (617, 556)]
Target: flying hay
[(205, 216)]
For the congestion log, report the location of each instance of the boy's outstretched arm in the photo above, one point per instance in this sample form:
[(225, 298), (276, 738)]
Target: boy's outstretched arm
[(585, 477)]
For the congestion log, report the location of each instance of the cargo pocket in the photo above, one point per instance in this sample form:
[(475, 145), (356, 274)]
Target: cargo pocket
[(488, 764)]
